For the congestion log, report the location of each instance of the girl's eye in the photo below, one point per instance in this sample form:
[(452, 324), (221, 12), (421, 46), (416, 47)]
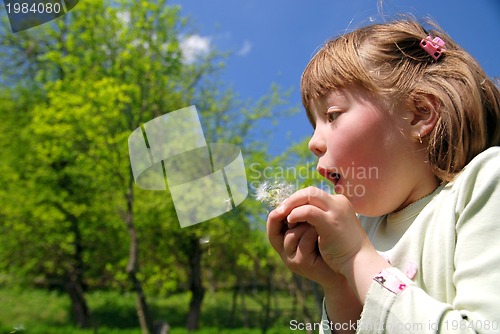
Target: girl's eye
[(332, 114)]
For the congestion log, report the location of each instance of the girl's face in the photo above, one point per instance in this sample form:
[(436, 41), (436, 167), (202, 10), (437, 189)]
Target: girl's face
[(370, 156)]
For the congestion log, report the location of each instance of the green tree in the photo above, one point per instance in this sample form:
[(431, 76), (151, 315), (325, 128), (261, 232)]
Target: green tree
[(82, 84), (94, 86)]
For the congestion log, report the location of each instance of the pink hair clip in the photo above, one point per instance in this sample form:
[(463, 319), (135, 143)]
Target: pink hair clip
[(434, 47)]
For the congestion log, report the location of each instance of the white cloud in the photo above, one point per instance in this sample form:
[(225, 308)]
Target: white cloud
[(245, 48), (193, 47)]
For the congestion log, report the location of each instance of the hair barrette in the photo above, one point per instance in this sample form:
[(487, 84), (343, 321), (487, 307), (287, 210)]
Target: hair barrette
[(434, 47)]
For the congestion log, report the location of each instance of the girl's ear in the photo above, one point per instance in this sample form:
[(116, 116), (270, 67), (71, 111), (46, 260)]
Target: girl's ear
[(424, 114)]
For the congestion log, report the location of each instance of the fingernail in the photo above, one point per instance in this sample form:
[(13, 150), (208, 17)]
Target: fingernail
[(280, 209)]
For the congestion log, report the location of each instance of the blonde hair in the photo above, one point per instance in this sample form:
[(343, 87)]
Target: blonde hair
[(387, 60)]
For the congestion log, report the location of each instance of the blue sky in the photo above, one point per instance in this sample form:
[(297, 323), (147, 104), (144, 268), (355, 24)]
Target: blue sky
[(272, 41)]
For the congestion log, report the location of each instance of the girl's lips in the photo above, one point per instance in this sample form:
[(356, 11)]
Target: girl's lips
[(331, 176)]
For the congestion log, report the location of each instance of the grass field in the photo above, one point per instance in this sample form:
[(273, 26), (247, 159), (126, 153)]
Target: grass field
[(31, 311)]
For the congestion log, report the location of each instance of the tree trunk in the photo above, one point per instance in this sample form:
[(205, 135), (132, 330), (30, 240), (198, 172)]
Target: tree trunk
[(234, 301), (267, 306), (143, 313), (75, 285), (238, 290), (244, 311), (299, 291), (195, 284), (141, 306), (73, 280), (79, 307)]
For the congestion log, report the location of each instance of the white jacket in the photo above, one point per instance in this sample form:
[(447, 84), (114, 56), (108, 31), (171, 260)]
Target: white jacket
[(452, 239)]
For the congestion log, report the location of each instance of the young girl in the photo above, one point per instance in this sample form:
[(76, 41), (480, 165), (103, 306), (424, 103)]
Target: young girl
[(415, 246)]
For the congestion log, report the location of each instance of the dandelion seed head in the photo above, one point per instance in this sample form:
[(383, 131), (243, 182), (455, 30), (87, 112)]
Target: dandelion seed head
[(273, 192)]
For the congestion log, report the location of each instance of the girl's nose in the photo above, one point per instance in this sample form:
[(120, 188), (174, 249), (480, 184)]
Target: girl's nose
[(317, 144)]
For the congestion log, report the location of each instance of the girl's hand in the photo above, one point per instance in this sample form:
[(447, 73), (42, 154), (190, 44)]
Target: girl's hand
[(343, 245), (298, 248), (341, 236)]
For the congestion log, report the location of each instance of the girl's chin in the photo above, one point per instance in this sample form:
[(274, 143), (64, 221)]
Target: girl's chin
[(348, 189), (357, 195)]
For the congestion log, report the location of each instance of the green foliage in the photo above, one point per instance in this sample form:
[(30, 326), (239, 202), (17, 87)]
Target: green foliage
[(76, 89), (67, 156), (41, 311)]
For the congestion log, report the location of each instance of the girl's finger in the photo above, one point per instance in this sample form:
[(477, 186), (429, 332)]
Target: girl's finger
[(308, 244), (306, 213), (310, 195), (276, 229), (292, 238)]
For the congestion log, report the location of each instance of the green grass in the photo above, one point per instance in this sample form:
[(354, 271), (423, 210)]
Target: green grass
[(72, 330), (31, 311)]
